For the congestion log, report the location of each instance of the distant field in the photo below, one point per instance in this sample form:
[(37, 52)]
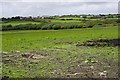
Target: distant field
[(20, 22), (58, 53), (65, 20)]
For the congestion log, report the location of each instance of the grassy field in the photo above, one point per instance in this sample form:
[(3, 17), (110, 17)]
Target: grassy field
[(13, 23), (56, 53)]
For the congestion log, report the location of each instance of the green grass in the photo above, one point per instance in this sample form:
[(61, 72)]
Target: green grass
[(21, 40), (64, 57), (14, 23), (57, 20)]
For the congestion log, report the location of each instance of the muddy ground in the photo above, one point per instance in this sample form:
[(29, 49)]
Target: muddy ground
[(101, 43)]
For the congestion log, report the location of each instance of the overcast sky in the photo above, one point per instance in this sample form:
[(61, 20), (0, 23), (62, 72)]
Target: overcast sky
[(10, 8)]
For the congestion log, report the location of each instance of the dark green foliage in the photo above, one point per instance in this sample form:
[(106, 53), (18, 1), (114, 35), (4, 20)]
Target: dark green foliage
[(90, 24), (56, 26), (26, 27), (46, 24), (7, 27), (63, 19)]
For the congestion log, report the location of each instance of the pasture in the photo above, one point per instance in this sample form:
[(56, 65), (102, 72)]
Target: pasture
[(59, 53)]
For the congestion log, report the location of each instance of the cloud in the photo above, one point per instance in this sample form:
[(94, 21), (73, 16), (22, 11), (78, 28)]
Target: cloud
[(57, 8), (60, 1)]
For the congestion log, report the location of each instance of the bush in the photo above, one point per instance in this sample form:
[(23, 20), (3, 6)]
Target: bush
[(27, 27), (47, 26), (63, 19), (56, 26), (7, 27), (90, 24)]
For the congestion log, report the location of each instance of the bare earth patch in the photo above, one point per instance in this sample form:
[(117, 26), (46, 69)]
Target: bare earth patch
[(33, 56), (101, 43)]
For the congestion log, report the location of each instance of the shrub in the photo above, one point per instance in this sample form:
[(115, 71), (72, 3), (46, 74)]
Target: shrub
[(7, 27), (90, 24), (63, 19), (56, 26), (26, 27), (47, 26)]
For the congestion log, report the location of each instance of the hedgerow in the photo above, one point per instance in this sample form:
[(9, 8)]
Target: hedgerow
[(47, 25)]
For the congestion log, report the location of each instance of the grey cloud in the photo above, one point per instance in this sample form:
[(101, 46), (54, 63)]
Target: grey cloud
[(51, 8), (59, 0)]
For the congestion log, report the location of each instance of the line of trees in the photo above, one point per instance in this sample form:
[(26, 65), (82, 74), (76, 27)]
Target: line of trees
[(38, 18)]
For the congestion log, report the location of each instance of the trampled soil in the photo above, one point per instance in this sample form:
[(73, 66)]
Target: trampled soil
[(101, 43)]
